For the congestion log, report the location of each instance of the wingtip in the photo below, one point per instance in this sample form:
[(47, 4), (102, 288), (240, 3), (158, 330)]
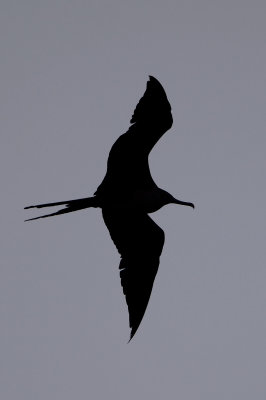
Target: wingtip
[(132, 333), (134, 330), (156, 84), (152, 78)]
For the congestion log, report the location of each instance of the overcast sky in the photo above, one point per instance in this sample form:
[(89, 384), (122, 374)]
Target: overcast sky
[(71, 75)]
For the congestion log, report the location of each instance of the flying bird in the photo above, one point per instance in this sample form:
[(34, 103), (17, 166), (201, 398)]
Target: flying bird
[(127, 195)]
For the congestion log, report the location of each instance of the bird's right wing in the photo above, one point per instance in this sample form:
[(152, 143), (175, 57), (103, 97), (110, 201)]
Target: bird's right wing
[(127, 164), (139, 241)]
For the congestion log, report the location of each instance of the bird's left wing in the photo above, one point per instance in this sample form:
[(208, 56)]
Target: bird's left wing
[(127, 164), (140, 242)]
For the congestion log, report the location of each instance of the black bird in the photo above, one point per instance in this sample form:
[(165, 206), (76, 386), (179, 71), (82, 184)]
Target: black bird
[(127, 195)]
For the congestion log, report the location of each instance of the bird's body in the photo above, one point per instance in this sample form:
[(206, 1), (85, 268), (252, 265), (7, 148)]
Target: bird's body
[(128, 194), (148, 201)]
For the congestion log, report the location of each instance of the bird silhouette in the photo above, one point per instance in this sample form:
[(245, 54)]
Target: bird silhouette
[(127, 195)]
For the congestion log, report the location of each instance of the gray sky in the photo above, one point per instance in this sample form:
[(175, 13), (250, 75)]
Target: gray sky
[(71, 75)]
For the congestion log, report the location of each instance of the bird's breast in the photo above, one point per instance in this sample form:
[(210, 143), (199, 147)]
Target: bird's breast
[(147, 201)]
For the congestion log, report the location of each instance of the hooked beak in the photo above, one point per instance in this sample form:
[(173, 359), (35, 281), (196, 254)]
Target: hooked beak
[(183, 203)]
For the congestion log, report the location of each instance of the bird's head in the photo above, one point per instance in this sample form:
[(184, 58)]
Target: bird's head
[(167, 198)]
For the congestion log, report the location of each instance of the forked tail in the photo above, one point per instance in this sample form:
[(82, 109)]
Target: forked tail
[(71, 205)]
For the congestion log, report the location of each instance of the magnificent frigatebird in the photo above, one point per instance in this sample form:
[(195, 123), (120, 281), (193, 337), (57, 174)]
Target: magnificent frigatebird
[(127, 195)]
